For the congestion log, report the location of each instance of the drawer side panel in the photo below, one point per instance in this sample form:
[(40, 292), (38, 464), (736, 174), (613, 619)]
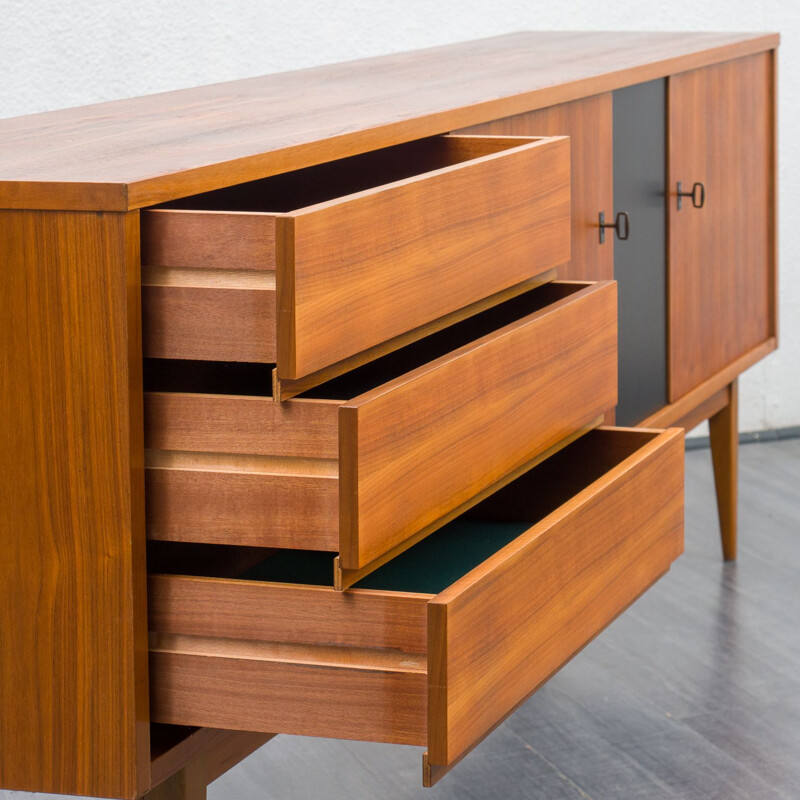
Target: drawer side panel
[(378, 705), (519, 617)]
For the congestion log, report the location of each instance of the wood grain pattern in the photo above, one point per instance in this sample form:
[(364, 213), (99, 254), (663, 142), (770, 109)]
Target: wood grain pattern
[(211, 323), (287, 613), (588, 123), (175, 237), (284, 389), (254, 507), (248, 693), (720, 256), (417, 447), (345, 578), (498, 632), (360, 269), (673, 413), (134, 153), (288, 652), (490, 406), (433, 773), (73, 675), (249, 653), (774, 195), (724, 435), (350, 277), (238, 424), (217, 750), (707, 409), (188, 783)]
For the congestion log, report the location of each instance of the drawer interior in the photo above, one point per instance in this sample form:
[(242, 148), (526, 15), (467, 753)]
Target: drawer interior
[(436, 562), (324, 182), (251, 379)]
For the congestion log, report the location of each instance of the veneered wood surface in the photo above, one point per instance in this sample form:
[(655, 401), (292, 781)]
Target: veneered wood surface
[(283, 389), (188, 783), (707, 409), (674, 413), (287, 613), (254, 507), (345, 578), (588, 123), (132, 153), (243, 691), (173, 748), (417, 447), (176, 237), (226, 469), (723, 430), (720, 256), (501, 630), (210, 323), (73, 619), (208, 285), (359, 270), (209, 423)]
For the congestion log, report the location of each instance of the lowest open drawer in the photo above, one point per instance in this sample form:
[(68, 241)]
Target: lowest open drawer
[(309, 268), (438, 646), (366, 461)]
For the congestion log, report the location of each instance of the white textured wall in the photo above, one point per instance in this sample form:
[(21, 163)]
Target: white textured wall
[(56, 54)]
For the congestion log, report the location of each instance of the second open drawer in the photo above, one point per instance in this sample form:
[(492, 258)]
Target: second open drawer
[(368, 460), (438, 646)]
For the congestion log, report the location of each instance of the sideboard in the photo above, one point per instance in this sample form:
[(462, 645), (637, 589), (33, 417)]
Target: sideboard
[(333, 401)]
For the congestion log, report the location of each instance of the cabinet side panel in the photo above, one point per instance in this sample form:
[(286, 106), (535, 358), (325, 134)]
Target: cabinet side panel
[(588, 123), (720, 255), (73, 671), (640, 261)]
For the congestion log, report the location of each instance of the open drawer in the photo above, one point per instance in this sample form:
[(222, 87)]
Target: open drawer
[(367, 461), (311, 267), (438, 646)]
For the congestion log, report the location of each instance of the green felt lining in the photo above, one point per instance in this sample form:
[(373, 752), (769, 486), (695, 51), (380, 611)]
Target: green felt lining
[(428, 567)]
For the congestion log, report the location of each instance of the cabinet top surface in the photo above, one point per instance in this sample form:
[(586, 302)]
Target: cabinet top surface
[(128, 154)]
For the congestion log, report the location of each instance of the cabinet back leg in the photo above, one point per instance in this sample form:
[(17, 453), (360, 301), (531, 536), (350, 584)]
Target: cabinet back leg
[(724, 433)]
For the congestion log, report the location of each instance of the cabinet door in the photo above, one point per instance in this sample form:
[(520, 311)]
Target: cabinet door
[(588, 123), (721, 256)]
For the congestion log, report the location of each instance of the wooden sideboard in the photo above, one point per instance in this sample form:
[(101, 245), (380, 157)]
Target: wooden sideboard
[(302, 378)]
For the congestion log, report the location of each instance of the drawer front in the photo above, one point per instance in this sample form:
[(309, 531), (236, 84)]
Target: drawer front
[(416, 449), (357, 271), (441, 669), (500, 632)]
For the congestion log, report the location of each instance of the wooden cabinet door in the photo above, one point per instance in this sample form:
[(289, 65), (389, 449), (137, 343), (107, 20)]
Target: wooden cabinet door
[(721, 256), (588, 123)]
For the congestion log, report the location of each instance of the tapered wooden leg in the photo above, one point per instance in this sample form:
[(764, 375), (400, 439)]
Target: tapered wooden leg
[(724, 430), (187, 784)]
